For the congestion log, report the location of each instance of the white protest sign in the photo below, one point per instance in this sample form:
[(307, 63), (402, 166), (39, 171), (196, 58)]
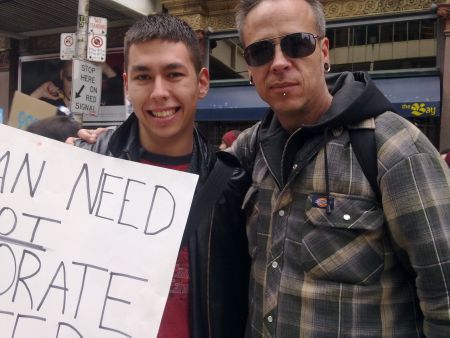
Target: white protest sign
[(86, 87), (88, 243)]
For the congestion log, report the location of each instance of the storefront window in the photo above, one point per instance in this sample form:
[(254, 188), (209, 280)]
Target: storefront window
[(358, 35), (37, 72), (400, 31), (386, 32), (372, 34), (341, 37), (413, 30), (428, 29)]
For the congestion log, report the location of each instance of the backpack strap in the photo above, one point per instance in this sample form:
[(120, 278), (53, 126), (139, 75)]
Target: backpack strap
[(207, 196), (365, 148)]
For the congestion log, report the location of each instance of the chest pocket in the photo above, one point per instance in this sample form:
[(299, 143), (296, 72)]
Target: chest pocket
[(346, 245)]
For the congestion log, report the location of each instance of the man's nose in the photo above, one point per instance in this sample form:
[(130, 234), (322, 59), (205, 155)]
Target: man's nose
[(280, 61), (160, 89)]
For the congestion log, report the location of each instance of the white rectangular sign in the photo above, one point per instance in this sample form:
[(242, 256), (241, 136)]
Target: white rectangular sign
[(88, 243), (86, 87), (96, 50), (67, 46), (97, 25)]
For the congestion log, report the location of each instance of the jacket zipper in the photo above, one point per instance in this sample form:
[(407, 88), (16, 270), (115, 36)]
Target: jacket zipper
[(282, 159), (284, 153), (208, 311), (268, 166)]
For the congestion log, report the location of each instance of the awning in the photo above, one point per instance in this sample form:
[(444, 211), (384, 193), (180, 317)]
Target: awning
[(21, 19), (236, 103), (411, 97)]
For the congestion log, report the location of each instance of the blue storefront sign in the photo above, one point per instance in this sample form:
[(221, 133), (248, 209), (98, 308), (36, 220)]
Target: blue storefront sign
[(417, 97), (413, 96)]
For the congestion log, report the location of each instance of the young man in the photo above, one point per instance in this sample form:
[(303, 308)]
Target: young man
[(164, 78), (328, 258)]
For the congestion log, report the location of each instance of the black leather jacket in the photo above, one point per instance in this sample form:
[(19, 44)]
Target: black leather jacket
[(218, 251)]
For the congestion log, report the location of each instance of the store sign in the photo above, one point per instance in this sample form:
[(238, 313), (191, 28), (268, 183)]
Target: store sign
[(420, 109)]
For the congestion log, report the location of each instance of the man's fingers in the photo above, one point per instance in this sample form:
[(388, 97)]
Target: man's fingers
[(71, 140), (98, 131), (87, 135)]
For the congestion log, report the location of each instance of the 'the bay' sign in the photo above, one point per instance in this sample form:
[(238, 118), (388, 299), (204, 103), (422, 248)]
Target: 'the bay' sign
[(86, 87)]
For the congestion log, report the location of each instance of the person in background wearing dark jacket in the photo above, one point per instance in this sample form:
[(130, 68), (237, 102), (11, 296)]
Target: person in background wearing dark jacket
[(163, 80), (328, 258)]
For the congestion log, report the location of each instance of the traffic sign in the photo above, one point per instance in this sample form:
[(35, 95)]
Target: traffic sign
[(67, 46), (97, 25), (86, 87), (96, 50)]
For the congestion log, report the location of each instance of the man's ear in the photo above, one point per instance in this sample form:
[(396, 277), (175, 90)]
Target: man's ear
[(203, 83), (325, 46)]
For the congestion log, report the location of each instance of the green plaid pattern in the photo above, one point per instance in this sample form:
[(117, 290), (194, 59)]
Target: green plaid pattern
[(364, 270)]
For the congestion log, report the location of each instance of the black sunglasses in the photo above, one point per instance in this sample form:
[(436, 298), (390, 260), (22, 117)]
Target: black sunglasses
[(296, 45)]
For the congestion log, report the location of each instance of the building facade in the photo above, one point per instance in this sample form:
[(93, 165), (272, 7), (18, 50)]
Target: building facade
[(404, 45)]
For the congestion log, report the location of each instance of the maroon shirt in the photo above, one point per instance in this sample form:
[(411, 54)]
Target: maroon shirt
[(175, 320)]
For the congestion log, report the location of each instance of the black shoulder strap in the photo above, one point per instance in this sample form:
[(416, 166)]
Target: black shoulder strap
[(207, 196), (364, 146)]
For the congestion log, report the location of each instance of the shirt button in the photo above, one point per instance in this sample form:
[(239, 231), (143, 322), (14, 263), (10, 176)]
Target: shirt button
[(274, 265), (294, 166), (281, 213), (270, 319), (347, 217)]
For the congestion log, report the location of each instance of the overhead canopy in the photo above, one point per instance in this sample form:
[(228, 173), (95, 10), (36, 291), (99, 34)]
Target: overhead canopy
[(411, 97), (236, 103), (21, 19)]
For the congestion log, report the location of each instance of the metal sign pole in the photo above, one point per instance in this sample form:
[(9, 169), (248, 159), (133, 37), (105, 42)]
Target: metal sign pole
[(81, 45), (87, 55), (83, 17)]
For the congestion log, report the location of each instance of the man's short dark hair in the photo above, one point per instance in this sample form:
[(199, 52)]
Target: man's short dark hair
[(56, 127), (165, 27)]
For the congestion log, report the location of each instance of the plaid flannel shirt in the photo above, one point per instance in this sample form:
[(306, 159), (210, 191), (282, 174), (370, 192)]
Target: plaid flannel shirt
[(365, 270)]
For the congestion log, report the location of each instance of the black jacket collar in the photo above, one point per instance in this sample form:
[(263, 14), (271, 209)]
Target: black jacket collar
[(124, 143)]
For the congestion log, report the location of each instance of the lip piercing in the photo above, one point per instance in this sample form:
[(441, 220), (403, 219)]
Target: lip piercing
[(284, 94)]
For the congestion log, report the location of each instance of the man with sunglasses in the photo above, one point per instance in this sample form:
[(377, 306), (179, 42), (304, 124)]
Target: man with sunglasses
[(330, 259)]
